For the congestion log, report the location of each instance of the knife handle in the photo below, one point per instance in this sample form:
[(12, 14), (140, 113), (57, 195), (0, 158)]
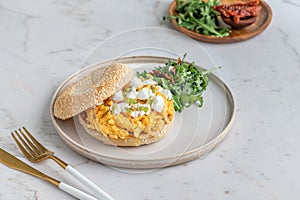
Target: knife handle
[(75, 192), (98, 192)]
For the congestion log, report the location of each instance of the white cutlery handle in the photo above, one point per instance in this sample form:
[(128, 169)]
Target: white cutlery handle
[(98, 192), (75, 192)]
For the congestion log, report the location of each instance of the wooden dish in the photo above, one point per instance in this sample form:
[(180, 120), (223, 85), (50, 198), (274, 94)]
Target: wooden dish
[(262, 22)]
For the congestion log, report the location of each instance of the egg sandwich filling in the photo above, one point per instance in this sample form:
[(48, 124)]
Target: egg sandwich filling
[(139, 109)]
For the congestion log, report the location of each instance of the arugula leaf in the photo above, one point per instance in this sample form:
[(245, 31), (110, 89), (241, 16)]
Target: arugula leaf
[(199, 16), (189, 82)]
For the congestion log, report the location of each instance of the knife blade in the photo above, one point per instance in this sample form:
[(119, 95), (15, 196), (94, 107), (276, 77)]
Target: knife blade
[(14, 163)]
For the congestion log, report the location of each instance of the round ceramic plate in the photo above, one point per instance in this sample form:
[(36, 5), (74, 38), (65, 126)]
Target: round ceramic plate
[(194, 132), (262, 22)]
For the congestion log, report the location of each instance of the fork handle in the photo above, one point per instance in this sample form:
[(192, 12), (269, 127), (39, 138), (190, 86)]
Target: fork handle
[(75, 192), (98, 192)]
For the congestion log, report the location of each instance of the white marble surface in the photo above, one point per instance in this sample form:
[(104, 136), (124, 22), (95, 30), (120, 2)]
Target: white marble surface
[(44, 42)]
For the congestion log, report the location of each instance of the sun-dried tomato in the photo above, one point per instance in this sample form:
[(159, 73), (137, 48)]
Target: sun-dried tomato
[(239, 11)]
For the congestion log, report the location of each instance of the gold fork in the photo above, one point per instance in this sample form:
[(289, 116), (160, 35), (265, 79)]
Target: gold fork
[(36, 152), (14, 163)]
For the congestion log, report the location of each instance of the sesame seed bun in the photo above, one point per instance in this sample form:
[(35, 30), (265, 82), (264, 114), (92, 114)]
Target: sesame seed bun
[(91, 90)]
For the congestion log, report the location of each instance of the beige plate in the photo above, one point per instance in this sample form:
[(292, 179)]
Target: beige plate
[(194, 132), (263, 20)]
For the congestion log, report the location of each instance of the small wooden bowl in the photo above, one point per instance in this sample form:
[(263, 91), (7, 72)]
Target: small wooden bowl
[(262, 22), (243, 23)]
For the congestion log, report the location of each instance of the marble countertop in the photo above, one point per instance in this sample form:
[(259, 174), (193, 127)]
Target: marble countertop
[(44, 42)]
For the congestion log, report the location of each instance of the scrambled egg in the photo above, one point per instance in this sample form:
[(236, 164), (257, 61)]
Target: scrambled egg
[(136, 117)]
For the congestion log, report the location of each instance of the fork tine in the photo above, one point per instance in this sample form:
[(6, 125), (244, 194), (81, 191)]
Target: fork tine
[(29, 142), (35, 141), (27, 154), (25, 145)]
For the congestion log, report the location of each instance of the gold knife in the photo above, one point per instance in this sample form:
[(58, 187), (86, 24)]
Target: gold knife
[(14, 163)]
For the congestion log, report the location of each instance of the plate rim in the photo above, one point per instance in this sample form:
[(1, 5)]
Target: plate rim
[(212, 143), (222, 40)]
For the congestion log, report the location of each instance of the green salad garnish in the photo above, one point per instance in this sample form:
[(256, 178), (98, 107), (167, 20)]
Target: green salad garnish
[(199, 16), (185, 81)]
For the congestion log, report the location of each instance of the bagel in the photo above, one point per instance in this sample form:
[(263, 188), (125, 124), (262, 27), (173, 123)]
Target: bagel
[(91, 90), (131, 141), (116, 107)]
